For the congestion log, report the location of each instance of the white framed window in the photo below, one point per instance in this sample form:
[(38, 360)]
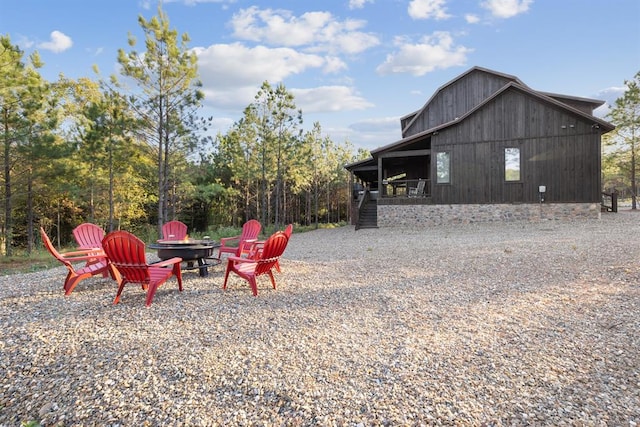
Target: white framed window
[(443, 167), (511, 164)]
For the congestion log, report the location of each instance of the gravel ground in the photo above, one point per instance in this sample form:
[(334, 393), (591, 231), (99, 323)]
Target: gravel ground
[(482, 325)]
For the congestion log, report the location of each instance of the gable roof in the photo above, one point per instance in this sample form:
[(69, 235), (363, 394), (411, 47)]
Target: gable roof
[(419, 112), (604, 125)]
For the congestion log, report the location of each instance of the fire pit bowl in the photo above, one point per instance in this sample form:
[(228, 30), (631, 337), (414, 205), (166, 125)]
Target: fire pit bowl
[(189, 250)]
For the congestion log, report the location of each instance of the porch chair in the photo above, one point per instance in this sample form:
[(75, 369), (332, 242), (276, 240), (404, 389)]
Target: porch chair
[(96, 263), (127, 254), (418, 190), (250, 268), (238, 245), (174, 230)]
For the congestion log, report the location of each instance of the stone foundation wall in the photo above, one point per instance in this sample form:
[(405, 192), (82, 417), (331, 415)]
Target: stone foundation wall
[(429, 215)]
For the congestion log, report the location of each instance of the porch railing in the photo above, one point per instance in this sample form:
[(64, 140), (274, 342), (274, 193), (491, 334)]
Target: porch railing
[(400, 188), (610, 201)]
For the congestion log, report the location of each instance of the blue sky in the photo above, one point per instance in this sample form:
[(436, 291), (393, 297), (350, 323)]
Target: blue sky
[(355, 66)]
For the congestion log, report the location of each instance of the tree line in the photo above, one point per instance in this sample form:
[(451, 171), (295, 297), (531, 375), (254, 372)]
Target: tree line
[(133, 151)]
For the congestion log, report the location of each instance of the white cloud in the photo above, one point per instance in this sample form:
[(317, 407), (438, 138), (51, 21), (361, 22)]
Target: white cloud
[(334, 64), (222, 124), (471, 19), (370, 133), (506, 8), (232, 74), (237, 65), (231, 99), (23, 41), (425, 9), (436, 51), (314, 31), (329, 99), (614, 91), (277, 27), (358, 4), (602, 111), (609, 95), (391, 124), (59, 42)]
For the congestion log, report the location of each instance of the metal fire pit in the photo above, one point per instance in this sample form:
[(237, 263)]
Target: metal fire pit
[(190, 250)]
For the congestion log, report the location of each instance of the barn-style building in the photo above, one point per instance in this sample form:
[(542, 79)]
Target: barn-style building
[(485, 147)]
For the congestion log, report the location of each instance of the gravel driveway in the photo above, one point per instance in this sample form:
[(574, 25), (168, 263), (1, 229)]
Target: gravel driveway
[(481, 325)]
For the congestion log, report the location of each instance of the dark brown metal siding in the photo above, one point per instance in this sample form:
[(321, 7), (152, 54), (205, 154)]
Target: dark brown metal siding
[(557, 149)]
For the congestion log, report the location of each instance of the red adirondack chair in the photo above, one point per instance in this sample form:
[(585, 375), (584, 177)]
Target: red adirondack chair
[(89, 236), (288, 230), (256, 249), (263, 263), (174, 230), (98, 263), (237, 245), (128, 255)]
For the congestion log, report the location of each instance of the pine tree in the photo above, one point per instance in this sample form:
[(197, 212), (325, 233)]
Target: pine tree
[(166, 98), (625, 115)]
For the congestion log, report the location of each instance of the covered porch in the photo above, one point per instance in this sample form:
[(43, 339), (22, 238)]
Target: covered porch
[(399, 173), (398, 176)]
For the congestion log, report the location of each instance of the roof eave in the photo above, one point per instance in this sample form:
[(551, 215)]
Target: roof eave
[(592, 101)]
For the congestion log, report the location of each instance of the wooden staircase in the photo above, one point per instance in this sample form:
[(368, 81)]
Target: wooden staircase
[(368, 215)]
